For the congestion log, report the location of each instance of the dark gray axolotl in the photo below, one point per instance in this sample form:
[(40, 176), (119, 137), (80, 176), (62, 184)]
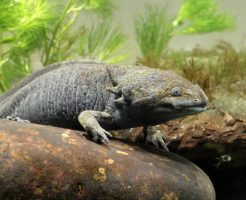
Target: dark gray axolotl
[(100, 97)]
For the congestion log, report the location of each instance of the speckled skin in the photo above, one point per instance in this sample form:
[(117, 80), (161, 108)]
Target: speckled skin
[(101, 97)]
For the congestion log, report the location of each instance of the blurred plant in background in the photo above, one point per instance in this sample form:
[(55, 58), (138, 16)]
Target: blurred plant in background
[(23, 26), (44, 31), (154, 29), (153, 32), (104, 42), (62, 37), (202, 16)]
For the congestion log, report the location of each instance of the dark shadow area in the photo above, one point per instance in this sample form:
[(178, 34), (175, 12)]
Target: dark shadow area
[(229, 184)]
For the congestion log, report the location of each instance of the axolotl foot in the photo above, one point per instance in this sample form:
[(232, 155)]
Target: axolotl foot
[(90, 121), (100, 135), (17, 119), (155, 137)]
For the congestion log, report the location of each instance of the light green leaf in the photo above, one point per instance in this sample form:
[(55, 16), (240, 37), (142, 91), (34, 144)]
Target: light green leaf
[(202, 16), (153, 32), (104, 42)]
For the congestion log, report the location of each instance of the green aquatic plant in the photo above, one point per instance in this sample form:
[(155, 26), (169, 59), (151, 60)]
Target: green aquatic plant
[(202, 16), (153, 32), (59, 40), (103, 42), (62, 37), (154, 29), (104, 8), (100, 41), (23, 25), (44, 32)]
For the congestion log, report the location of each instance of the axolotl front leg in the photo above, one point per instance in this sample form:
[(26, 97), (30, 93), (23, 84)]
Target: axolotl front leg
[(154, 136), (90, 119)]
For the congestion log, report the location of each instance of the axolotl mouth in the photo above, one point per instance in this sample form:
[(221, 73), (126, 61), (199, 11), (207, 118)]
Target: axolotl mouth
[(195, 109), (191, 106), (188, 109), (162, 113)]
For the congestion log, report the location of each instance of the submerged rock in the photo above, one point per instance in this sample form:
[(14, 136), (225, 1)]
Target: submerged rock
[(213, 140), (204, 139), (43, 162)]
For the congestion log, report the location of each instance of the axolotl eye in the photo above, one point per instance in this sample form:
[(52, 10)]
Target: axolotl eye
[(176, 91)]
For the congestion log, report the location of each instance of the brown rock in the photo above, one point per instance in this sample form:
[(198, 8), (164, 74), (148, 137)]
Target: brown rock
[(229, 120), (42, 162)]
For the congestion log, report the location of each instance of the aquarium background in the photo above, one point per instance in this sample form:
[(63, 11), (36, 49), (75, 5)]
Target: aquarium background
[(128, 9)]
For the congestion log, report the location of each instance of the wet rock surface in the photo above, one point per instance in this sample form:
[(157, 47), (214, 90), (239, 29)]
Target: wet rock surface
[(215, 141), (43, 162)]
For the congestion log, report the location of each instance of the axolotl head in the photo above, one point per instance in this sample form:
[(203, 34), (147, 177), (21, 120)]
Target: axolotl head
[(155, 96)]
